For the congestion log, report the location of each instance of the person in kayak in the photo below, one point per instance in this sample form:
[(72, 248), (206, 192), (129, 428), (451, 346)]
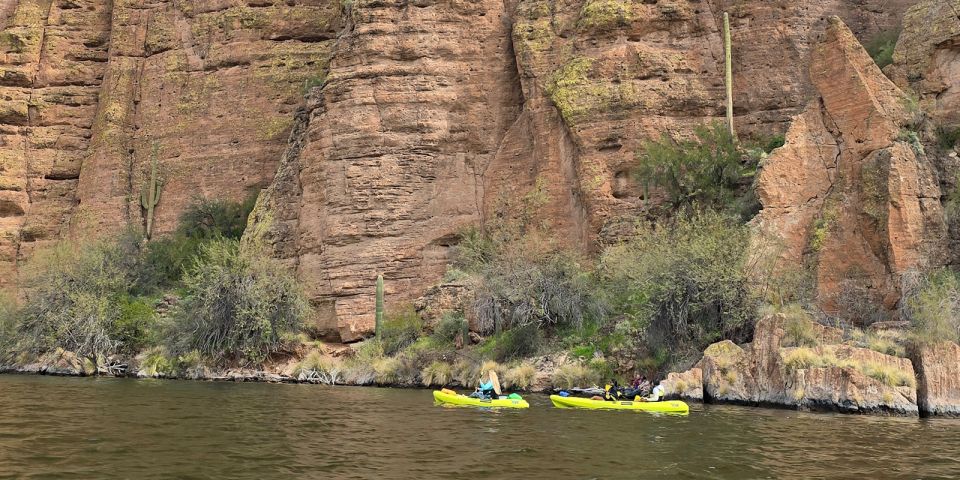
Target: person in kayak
[(657, 394), (488, 387)]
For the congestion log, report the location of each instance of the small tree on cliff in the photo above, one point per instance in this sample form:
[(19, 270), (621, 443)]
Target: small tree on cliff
[(708, 169)]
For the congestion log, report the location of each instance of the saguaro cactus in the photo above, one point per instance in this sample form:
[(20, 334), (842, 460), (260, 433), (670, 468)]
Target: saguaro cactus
[(728, 71), (150, 195), (379, 314)]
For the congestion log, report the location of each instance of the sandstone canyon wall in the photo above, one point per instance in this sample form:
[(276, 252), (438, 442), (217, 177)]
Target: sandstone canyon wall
[(376, 130)]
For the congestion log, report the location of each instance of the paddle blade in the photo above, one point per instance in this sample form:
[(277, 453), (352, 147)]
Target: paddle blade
[(496, 382)]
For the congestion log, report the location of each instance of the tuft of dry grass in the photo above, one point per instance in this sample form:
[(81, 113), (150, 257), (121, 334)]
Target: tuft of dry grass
[(520, 377), (572, 375), (437, 373)]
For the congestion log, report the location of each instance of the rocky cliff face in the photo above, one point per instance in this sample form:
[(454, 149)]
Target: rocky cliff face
[(424, 117), (94, 89), (851, 195)]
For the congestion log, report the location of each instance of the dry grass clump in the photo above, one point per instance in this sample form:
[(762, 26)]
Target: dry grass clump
[(319, 368), (572, 375), (437, 373), (888, 375), (520, 377), (804, 358)]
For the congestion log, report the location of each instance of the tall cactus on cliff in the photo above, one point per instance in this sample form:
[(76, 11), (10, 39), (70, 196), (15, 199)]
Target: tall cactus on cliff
[(150, 194), (728, 72), (379, 313)]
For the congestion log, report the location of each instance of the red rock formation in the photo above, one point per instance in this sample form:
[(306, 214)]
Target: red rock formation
[(927, 58), (764, 372), (938, 378), (427, 117), (849, 195)]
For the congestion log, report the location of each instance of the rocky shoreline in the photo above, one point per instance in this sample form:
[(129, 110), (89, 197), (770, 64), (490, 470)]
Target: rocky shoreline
[(828, 374)]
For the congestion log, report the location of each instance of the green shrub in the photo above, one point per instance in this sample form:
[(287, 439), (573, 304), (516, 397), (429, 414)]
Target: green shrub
[(237, 304), (135, 329), (708, 170), (157, 362), (798, 328), (386, 371), (449, 327), (932, 305), (8, 327), (164, 259), (574, 375), (882, 45), (400, 330), (947, 137), (214, 218), (518, 342), (437, 373), (74, 298), (683, 283), (520, 377)]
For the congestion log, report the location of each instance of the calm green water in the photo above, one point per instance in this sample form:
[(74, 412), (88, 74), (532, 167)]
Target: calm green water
[(117, 428)]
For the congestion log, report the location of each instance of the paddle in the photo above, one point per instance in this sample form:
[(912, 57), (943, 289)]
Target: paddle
[(496, 382)]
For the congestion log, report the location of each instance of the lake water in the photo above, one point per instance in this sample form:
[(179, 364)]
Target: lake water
[(53, 427)]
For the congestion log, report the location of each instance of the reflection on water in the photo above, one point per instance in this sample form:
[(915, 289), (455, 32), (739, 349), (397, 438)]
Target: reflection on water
[(96, 428)]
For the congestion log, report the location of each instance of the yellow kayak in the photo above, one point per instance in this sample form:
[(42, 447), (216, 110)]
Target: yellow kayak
[(667, 406), (451, 398)]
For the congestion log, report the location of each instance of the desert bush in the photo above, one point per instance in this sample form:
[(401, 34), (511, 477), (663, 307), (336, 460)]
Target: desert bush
[(575, 374), (319, 368), (799, 328), (520, 377), (518, 342), (449, 327), (947, 137), (165, 259), (157, 362), (882, 45), (359, 372), (708, 169), (683, 283), (931, 303), (8, 327), (216, 218), (540, 289), (237, 304), (437, 373), (75, 298), (885, 342), (400, 329)]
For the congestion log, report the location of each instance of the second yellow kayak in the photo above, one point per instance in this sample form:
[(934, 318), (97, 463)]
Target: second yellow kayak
[(667, 406), (449, 398)]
